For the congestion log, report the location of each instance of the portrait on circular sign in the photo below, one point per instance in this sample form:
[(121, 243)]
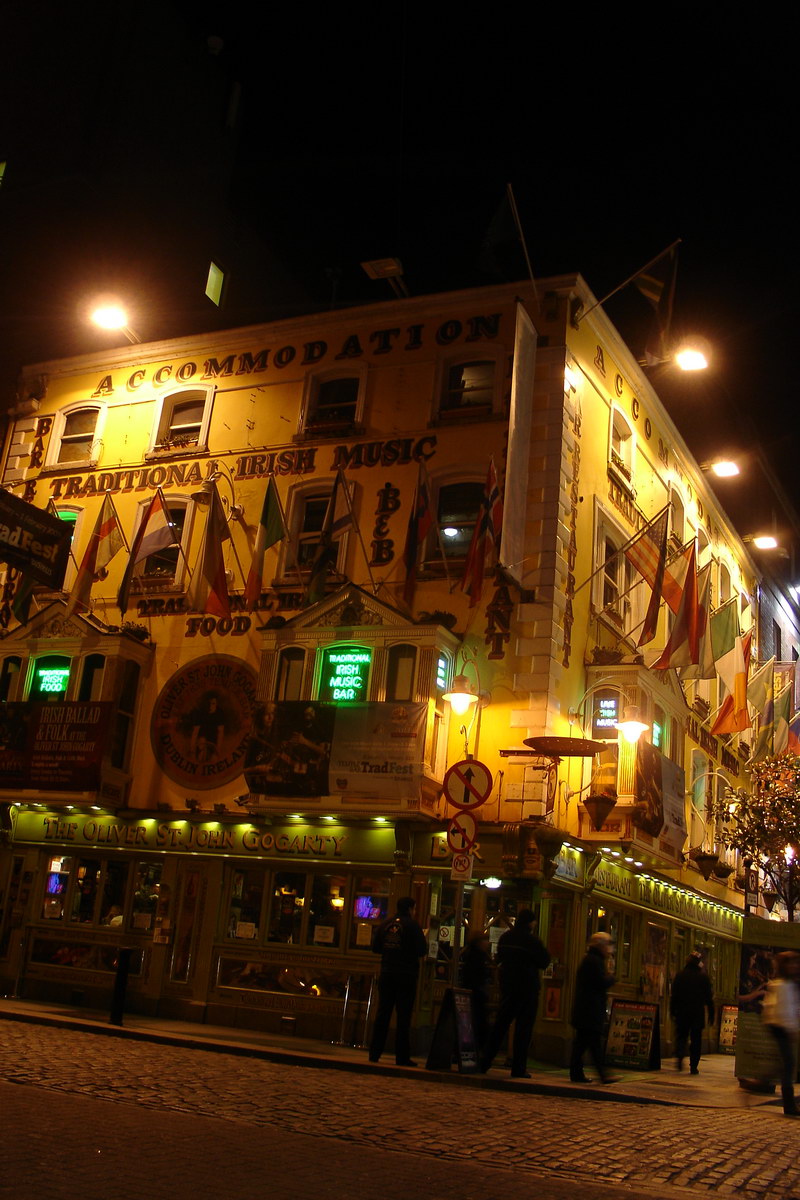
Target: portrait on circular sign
[(202, 721)]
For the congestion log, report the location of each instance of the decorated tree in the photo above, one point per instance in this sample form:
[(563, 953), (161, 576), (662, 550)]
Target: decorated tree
[(764, 826)]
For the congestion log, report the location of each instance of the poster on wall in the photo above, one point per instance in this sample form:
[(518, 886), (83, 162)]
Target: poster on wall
[(202, 721), (53, 746), (319, 749), (659, 787)]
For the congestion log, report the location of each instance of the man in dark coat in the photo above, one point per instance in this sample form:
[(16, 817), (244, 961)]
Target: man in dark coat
[(401, 944), (690, 999), (589, 1008), (520, 957)]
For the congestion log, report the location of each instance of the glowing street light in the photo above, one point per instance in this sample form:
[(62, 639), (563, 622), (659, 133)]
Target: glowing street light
[(113, 316), (725, 468)]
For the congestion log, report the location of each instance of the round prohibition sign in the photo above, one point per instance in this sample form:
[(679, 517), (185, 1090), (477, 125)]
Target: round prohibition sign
[(462, 833), (467, 784)]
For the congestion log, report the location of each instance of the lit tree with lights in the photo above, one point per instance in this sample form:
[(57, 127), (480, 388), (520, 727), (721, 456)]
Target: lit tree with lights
[(764, 826)]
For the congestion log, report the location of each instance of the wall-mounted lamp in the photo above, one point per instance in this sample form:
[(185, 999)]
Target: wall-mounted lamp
[(461, 696), (631, 726)]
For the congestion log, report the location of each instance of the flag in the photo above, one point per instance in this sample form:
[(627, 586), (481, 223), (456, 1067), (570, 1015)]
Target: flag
[(766, 728), (23, 594), (648, 554), (704, 667), (338, 518), (208, 591), (782, 717), (683, 645), (794, 735), (724, 636), (155, 533), (271, 529), (733, 715), (488, 526), (419, 522), (761, 685), (104, 543), (657, 284)]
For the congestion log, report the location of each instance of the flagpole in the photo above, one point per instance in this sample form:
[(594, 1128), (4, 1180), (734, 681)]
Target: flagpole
[(515, 214), (357, 527), (119, 523), (630, 279)]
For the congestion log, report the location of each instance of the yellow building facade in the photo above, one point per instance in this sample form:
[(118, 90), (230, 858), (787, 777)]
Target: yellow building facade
[(239, 797)]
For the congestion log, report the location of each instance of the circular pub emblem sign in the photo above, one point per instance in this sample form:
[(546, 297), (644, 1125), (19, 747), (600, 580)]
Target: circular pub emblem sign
[(202, 720)]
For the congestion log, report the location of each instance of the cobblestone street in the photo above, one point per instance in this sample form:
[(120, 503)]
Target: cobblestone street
[(317, 1128)]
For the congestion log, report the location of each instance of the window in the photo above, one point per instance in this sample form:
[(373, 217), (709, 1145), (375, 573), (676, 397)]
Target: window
[(146, 888), (78, 436), (458, 508), (215, 283), (618, 579), (622, 444), (400, 672), (183, 421), (92, 678), (615, 595), (11, 679), (291, 665), (725, 592), (469, 387), (246, 902), (659, 729), (123, 715), (333, 401), (310, 519), (86, 891), (677, 517)]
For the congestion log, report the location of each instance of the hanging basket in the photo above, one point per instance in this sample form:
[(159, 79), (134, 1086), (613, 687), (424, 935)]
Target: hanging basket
[(769, 899), (549, 840), (722, 870), (706, 861), (598, 808)]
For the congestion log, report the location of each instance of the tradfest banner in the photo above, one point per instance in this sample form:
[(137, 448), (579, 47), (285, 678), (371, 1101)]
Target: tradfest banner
[(352, 750), (33, 540)]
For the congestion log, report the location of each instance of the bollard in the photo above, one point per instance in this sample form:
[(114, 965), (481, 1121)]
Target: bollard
[(120, 985)]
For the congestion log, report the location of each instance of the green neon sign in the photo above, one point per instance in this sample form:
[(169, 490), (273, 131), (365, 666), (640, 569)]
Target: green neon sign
[(345, 673), (53, 679)]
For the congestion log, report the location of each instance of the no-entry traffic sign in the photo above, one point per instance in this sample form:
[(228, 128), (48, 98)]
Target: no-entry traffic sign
[(467, 784), (462, 832)]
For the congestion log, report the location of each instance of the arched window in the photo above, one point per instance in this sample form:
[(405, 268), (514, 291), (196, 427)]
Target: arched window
[(124, 715), (11, 679), (622, 445), (50, 678), (76, 435), (457, 511), (92, 677), (402, 660), (291, 664), (183, 421)]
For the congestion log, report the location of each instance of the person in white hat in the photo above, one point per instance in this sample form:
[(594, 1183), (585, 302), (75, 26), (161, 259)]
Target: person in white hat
[(589, 1008)]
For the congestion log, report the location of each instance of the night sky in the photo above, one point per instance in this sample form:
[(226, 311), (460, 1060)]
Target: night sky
[(371, 130)]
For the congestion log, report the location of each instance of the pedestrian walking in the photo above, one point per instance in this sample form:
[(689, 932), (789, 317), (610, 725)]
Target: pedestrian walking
[(476, 976), (781, 1014), (592, 981), (691, 997), (520, 957), (401, 944)]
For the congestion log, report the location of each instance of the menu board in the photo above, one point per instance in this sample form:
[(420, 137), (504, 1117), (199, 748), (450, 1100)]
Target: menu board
[(634, 1039), (728, 1022), (453, 1037)]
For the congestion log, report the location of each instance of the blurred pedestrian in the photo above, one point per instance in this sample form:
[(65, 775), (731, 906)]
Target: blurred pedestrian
[(520, 957), (691, 997), (401, 944), (781, 1015), (476, 976), (592, 981)]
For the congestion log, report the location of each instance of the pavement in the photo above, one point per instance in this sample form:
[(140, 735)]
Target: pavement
[(715, 1087)]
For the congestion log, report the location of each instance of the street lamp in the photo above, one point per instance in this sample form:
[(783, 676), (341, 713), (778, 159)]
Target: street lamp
[(111, 315)]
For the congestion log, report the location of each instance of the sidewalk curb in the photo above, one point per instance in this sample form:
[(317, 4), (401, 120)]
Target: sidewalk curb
[(302, 1058)]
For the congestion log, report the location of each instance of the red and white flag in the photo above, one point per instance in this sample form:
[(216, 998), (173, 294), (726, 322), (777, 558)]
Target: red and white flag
[(155, 533), (683, 645), (104, 543), (488, 528)]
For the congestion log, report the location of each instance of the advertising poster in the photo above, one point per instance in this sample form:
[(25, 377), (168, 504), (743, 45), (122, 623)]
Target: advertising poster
[(202, 722), (633, 1036), (55, 747), (319, 749), (756, 1049)]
